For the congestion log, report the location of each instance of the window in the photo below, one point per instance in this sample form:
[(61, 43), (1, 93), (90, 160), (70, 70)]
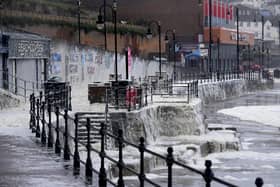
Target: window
[(268, 27), (248, 24), (256, 24), (256, 34)]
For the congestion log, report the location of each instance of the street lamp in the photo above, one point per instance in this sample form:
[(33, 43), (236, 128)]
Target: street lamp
[(237, 42), (210, 37), (173, 41), (149, 35), (100, 24), (79, 19)]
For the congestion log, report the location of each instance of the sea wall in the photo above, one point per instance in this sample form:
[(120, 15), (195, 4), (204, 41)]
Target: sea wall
[(220, 91), (172, 119)]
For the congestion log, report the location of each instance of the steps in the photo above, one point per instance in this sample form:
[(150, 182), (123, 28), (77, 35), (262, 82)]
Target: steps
[(96, 118)]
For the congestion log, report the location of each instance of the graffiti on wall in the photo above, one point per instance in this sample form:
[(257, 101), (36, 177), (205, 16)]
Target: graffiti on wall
[(73, 68)]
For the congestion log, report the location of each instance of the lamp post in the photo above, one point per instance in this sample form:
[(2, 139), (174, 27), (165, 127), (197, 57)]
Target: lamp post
[(100, 23), (79, 19), (219, 61), (237, 42), (210, 37), (262, 42), (150, 35), (249, 60), (173, 47)]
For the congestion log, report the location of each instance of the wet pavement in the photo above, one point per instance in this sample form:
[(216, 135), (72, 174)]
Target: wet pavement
[(24, 163)]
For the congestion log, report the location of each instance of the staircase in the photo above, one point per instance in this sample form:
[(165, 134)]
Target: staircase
[(96, 118)]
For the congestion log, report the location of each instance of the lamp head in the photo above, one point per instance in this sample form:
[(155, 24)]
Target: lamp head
[(79, 2), (100, 23), (114, 5), (149, 33)]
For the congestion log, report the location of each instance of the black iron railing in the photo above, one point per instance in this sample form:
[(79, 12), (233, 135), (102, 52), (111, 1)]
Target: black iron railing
[(39, 121), (130, 97)]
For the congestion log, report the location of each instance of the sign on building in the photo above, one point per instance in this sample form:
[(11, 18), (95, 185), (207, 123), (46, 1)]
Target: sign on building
[(28, 49)]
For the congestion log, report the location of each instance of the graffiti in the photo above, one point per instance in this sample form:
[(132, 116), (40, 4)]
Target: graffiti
[(91, 70), (74, 57), (73, 68), (99, 58), (56, 57), (107, 60), (74, 79), (55, 67), (89, 57)]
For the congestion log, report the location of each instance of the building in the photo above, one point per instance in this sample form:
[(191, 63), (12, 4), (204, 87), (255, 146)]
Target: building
[(24, 61), (190, 19)]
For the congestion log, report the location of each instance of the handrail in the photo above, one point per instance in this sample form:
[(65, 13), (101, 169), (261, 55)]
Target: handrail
[(37, 116)]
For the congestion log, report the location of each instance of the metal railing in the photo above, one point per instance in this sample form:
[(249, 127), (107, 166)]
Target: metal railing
[(129, 97), (38, 121), (18, 86)]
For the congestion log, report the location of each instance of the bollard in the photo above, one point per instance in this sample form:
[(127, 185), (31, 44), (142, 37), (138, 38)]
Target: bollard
[(66, 150), (120, 162), (169, 162), (208, 174), (57, 142), (50, 137), (102, 171), (88, 162), (76, 159), (142, 171), (259, 182), (43, 135), (70, 95), (38, 119)]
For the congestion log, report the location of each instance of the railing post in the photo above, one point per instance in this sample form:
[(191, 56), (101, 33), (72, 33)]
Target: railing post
[(16, 88), (169, 162), (31, 111), (40, 99), (76, 159), (141, 97), (188, 92), (33, 87), (43, 135), (50, 137), (146, 95), (24, 90), (66, 150), (259, 182), (120, 162), (208, 174), (38, 119), (129, 98), (142, 171), (34, 114), (196, 89), (57, 142), (70, 98), (88, 162), (102, 171)]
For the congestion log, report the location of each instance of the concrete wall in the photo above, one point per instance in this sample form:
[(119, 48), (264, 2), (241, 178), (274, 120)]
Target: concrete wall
[(85, 64), (172, 119)]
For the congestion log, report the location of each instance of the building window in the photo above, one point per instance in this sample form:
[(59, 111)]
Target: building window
[(256, 24), (256, 34), (248, 24), (268, 27)]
